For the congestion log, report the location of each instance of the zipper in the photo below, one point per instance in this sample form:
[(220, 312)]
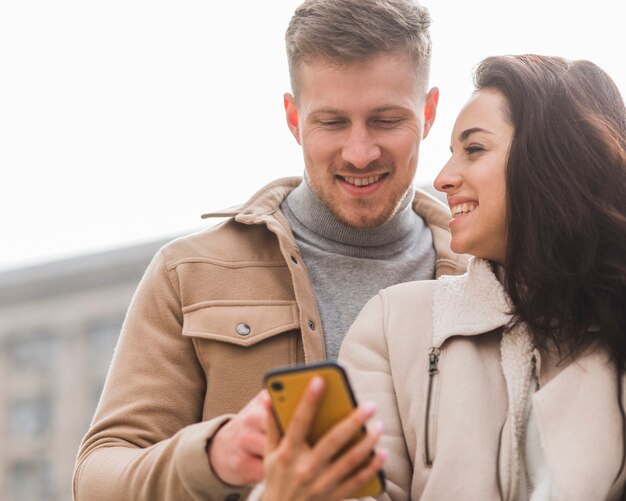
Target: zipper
[(433, 369)]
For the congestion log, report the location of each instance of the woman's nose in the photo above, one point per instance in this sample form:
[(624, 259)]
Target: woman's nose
[(448, 178)]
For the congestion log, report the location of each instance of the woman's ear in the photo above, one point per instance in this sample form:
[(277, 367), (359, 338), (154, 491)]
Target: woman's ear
[(291, 113), (430, 110)]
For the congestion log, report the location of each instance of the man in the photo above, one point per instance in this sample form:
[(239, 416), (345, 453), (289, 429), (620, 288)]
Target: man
[(279, 282)]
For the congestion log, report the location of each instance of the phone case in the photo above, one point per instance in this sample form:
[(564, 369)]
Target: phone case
[(286, 386)]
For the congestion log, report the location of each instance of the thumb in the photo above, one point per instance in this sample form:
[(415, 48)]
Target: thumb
[(273, 433)]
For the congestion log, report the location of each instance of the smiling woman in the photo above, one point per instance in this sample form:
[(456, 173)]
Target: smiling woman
[(473, 178), (504, 382)]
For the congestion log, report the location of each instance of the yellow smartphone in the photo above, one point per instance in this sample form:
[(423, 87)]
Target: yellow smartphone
[(286, 386)]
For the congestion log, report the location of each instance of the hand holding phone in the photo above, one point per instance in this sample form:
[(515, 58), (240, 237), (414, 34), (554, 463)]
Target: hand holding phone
[(325, 444)]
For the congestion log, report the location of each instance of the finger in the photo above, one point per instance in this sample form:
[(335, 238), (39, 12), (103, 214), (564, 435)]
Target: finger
[(255, 443), (348, 429), (271, 426), (252, 470), (304, 414), (350, 485), (255, 415), (357, 455)]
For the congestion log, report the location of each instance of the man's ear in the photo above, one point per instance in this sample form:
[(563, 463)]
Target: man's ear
[(291, 113), (430, 110)]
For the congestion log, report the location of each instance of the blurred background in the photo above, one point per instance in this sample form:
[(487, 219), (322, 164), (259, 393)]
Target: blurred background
[(122, 122)]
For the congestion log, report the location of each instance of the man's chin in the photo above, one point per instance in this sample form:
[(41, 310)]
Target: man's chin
[(362, 219)]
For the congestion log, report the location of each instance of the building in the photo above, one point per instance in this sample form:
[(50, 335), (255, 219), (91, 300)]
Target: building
[(59, 323)]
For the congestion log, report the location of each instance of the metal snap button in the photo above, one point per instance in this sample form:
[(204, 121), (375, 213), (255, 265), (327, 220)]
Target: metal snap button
[(243, 329)]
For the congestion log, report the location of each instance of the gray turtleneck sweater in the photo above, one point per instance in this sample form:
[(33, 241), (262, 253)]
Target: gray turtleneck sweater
[(350, 265)]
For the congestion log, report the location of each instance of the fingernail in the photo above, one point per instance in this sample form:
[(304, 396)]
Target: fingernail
[(378, 427), (317, 383), (383, 454), (369, 408)]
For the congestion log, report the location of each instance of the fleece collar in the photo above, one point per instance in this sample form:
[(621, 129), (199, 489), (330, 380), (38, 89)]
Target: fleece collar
[(469, 304), (476, 303)]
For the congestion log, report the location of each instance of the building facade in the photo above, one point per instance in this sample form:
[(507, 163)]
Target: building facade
[(59, 323)]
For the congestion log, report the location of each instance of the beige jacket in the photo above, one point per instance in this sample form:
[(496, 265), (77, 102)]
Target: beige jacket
[(449, 388), (214, 311)]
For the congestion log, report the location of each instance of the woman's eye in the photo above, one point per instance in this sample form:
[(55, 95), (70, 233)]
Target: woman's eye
[(473, 148)]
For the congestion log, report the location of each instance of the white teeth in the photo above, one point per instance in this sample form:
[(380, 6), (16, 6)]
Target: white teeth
[(463, 208), (362, 181)]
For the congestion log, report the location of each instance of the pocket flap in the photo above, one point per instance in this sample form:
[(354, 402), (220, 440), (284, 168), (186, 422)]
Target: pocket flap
[(239, 322)]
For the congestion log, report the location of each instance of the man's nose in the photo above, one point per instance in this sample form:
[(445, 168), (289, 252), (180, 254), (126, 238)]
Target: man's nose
[(360, 148)]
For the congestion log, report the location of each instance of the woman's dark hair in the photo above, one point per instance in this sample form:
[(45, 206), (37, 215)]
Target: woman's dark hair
[(566, 200)]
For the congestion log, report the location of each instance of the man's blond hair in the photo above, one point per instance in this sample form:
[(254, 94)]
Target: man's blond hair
[(345, 32)]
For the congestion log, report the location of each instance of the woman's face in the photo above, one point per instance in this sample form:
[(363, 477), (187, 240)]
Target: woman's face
[(474, 177)]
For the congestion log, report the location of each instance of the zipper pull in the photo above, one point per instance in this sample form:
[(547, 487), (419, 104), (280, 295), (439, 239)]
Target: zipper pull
[(433, 360), (535, 368)]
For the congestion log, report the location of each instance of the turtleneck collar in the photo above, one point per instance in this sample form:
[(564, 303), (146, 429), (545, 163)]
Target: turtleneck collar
[(313, 215)]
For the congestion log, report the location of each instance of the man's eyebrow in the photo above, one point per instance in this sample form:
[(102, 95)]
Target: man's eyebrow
[(337, 111), (468, 132), (391, 107), (328, 110)]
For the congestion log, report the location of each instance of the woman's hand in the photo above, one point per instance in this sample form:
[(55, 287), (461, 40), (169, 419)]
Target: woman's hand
[(294, 470)]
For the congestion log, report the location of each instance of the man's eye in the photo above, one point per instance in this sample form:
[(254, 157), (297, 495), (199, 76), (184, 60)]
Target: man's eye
[(332, 123), (387, 122)]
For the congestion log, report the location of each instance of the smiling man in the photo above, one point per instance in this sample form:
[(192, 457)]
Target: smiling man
[(360, 126), (283, 278)]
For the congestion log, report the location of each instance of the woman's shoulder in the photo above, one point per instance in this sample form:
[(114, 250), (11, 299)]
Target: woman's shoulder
[(409, 292), (407, 309)]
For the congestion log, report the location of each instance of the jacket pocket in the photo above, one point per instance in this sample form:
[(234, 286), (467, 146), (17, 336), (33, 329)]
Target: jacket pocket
[(431, 407), (243, 323)]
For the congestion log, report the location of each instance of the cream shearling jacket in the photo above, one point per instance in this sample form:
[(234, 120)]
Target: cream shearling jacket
[(451, 390), (213, 312)]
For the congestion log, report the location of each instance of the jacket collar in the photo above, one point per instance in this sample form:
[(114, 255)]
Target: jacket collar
[(477, 297), (264, 202)]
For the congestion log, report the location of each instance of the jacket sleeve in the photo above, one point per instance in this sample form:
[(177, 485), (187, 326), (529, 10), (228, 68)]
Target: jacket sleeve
[(364, 354), (147, 440)]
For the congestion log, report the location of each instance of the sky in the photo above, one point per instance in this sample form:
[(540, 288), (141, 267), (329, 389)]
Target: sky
[(123, 121)]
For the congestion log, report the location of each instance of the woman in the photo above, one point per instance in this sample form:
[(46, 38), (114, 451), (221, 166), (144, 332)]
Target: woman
[(507, 382)]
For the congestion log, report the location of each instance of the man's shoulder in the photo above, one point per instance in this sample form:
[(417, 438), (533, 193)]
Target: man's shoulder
[(239, 234), (228, 242), (437, 216), (432, 210)]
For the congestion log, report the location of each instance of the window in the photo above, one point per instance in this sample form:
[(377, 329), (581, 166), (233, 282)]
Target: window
[(33, 352), (30, 417), (31, 480)]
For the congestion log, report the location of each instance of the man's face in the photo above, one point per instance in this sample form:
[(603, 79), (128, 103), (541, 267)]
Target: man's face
[(360, 128)]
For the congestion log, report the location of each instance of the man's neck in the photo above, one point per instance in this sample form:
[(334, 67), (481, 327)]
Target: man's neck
[(316, 220)]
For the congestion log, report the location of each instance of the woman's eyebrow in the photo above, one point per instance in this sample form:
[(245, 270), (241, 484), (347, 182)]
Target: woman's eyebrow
[(468, 132)]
